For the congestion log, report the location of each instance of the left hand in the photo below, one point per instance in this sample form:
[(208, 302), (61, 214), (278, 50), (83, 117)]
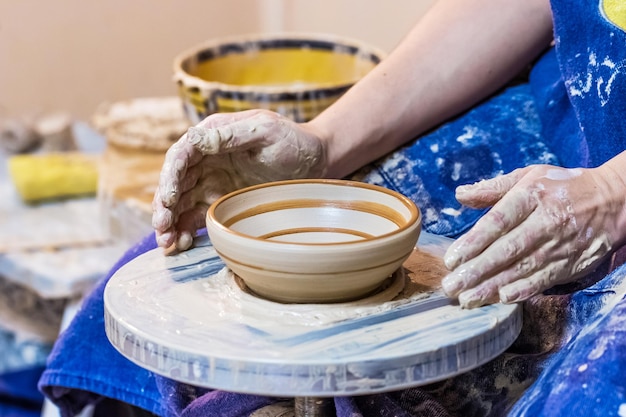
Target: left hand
[(547, 226), (225, 152)]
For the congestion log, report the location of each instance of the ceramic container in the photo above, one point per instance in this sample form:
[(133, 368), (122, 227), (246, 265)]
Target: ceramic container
[(313, 241), (297, 75)]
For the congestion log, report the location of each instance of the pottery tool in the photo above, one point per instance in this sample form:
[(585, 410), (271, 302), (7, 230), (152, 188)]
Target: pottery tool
[(188, 318)]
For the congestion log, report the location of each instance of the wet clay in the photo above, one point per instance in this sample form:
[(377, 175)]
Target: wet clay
[(425, 270)]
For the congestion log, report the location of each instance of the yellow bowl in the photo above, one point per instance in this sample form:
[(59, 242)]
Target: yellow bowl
[(296, 75)]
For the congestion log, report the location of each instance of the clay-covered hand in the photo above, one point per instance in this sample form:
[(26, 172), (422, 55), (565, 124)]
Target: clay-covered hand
[(225, 152), (547, 226)]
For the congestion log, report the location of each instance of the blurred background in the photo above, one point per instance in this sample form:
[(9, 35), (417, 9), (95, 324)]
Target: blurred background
[(71, 55)]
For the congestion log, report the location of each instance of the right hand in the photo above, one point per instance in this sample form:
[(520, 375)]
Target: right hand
[(225, 152), (547, 226)]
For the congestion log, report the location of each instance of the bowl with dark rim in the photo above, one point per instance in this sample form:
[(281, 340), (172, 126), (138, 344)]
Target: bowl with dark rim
[(297, 75)]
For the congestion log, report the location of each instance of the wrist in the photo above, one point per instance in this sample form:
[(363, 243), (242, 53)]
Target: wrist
[(615, 178), (332, 153)]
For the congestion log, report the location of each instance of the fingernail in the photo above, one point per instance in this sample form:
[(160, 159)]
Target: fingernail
[(162, 219), (509, 294), (471, 299), (184, 241), (164, 239), (451, 259), (452, 284), (462, 189)]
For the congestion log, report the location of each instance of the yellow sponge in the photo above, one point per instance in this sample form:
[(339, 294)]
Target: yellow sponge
[(56, 175)]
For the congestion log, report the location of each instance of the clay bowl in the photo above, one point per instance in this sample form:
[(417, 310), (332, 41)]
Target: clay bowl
[(313, 241), (297, 75)]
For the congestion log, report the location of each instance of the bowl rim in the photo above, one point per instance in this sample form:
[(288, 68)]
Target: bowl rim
[(413, 221), (191, 81)]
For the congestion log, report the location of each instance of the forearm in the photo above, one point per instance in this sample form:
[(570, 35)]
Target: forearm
[(456, 55)]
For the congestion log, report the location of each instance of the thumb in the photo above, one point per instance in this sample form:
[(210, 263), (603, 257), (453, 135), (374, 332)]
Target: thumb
[(486, 193)]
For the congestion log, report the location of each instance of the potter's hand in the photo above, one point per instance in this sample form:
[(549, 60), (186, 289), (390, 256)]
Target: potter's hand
[(547, 226), (222, 153)]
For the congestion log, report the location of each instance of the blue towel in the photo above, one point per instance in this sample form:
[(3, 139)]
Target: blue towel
[(21, 385)]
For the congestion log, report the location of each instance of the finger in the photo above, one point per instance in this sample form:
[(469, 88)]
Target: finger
[(469, 275), (486, 193), (515, 247), (502, 218), (190, 178), (184, 240), (484, 294), (213, 184), (190, 191), (178, 158), (188, 224), (488, 291), (162, 219), (523, 289), (243, 131), (165, 239)]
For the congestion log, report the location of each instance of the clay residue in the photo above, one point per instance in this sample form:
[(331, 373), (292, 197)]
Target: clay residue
[(425, 271)]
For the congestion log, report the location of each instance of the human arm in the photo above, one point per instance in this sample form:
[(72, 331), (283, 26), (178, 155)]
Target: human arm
[(547, 226), (456, 55)]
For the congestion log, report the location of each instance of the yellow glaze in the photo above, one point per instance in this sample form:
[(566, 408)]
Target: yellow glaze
[(297, 76), (284, 67), (615, 12)]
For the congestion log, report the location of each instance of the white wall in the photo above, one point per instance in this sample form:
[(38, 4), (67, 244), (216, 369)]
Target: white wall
[(71, 55), (381, 23)]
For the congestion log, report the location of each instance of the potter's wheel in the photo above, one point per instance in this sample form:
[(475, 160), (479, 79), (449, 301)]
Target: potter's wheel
[(187, 318)]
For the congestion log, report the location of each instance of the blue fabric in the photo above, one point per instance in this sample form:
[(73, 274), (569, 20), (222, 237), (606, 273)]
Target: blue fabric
[(188, 401), (11, 409), (83, 366), (586, 377), (495, 137), (580, 85), (591, 50), (559, 123), (22, 385), (19, 396)]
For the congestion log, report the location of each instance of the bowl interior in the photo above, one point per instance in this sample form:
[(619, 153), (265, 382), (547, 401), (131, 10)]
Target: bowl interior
[(279, 62), (306, 212)]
